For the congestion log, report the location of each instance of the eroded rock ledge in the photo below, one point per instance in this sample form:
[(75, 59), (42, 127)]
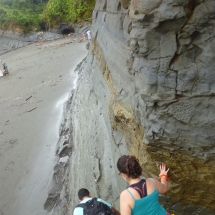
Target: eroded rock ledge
[(148, 88)]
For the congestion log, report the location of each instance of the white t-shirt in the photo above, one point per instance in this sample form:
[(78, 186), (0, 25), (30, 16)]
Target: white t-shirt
[(88, 35), (80, 211), (1, 73)]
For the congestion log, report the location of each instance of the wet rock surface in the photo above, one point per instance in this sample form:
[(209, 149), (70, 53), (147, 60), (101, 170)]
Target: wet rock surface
[(147, 88)]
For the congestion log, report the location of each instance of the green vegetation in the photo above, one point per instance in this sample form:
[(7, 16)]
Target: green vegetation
[(30, 14), (68, 10), (21, 14)]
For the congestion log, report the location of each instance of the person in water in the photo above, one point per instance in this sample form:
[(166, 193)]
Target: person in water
[(141, 197)]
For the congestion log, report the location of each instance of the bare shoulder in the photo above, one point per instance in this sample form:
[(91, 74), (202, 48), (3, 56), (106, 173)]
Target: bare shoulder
[(162, 188), (151, 185), (152, 180), (124, 193), (126, 200)]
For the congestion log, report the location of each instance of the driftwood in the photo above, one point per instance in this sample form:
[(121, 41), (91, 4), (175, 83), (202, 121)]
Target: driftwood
[(28, 98), (31, 109)]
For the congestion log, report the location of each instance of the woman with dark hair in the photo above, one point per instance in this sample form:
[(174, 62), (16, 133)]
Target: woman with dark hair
[(141, 197)]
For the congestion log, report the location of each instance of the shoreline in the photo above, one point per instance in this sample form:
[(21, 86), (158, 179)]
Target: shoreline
[(41, 77), (69, 37)]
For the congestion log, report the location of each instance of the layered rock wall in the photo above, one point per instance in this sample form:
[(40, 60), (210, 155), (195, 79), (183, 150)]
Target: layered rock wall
[(147, 89), (10, 40)]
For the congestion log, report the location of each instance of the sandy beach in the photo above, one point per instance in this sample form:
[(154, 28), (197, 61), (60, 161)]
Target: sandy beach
[(31, 99)]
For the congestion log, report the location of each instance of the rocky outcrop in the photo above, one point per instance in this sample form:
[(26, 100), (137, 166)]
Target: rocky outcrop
[(147, 89), (12, 40)]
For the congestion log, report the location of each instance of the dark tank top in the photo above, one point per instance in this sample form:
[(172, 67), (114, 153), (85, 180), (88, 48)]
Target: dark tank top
[(140, 187)]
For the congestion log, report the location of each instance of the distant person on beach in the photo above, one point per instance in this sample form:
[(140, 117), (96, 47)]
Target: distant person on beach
[(88, 35), (5, 66), (141, 197), (88, 38), (92, 206), (5, 72)]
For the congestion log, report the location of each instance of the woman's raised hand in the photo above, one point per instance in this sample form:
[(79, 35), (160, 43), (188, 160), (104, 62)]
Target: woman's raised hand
[(163, 170)]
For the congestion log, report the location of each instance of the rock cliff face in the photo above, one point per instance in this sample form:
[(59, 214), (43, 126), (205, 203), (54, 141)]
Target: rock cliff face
[(147, 88), (12, 40)]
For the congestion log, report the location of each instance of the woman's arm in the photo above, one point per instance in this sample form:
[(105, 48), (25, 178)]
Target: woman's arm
[(162, 185), (125, 209)]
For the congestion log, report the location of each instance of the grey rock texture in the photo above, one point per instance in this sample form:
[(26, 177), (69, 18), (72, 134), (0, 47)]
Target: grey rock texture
[(10, 40), (91, 163), (147, 89)]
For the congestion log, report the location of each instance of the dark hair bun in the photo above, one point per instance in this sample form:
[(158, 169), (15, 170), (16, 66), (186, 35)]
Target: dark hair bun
[(130, 166), (134, 168)]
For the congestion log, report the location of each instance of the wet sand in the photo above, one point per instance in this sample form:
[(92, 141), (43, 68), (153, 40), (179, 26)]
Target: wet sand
[(31, 100)]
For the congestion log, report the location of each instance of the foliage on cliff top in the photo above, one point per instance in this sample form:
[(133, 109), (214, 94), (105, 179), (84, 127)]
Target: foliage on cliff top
[(30, 14), (23, 14), (68, 10)]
